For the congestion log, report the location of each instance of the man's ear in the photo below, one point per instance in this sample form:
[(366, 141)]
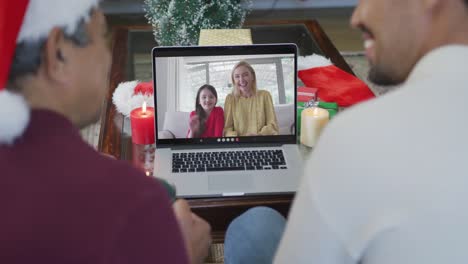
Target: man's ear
[(55, 58)]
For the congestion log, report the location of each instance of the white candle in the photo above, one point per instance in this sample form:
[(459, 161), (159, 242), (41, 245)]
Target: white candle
[(313, 120)]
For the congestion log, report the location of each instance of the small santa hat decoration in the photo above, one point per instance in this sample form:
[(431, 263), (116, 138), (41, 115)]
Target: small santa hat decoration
[(130, 95), (29, 20), (333, 84)]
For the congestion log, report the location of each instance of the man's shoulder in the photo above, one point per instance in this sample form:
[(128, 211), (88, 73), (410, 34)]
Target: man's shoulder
[(118, 185), (368, 117), (122, 176), (359, 140), (92, 172)]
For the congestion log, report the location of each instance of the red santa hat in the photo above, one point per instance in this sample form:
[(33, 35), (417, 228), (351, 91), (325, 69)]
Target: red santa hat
[(333, 84), (130, 95), (29, 20)]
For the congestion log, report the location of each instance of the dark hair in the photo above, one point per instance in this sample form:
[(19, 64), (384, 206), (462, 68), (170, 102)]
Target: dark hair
[(28, 54), (199, 111)]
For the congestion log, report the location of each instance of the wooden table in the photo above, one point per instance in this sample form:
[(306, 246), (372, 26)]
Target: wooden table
[(130, 40)]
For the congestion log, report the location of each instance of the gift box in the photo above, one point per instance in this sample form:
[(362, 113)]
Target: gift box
[(306, 94)]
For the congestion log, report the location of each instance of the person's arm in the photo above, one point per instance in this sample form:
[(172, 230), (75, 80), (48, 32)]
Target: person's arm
[(271, 125), (229, 117), (307, 237), (189, 132), (194, 124), (195, 230), (329, 216), (219, 125)]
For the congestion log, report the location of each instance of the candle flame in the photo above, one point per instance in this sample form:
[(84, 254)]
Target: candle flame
[(148, 173), (316, 111), (144, 107)]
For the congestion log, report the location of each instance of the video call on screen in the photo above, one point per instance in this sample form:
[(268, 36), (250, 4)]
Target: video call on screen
[(178, 79)]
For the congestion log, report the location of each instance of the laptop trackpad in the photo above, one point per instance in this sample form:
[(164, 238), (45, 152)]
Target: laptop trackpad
[(230, 182)]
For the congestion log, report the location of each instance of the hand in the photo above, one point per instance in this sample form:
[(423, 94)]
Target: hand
[(195, 230), (194, 123)]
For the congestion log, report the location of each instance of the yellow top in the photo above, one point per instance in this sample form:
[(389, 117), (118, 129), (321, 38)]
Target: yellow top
[(247, 116)]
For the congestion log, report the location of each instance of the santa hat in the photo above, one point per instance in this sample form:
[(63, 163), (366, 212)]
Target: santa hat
[(130, 95), (332, 83), (29, 20)]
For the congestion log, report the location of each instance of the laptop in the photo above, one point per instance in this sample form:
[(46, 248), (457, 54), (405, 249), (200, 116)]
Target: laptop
[(226, 160)]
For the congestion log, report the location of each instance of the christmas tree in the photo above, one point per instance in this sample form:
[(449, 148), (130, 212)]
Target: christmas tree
[(178, 22)]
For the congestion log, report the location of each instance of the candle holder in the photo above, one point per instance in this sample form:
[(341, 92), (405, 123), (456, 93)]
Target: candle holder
[(143, 157)]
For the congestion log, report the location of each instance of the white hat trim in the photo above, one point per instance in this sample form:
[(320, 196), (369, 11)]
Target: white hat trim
[(125, 100), (14, 116), (43, 15), (312, 61)]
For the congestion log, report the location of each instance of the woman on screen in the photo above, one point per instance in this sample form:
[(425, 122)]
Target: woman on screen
[(248, 111), (208, 119)]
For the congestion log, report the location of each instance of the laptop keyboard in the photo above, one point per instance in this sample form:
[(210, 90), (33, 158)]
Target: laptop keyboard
[(228, 161)]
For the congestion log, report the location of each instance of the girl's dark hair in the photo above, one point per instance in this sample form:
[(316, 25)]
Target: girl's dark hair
[(199, 111)]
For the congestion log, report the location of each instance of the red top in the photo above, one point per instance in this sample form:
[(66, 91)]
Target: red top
[(63, 202), (214, 123)]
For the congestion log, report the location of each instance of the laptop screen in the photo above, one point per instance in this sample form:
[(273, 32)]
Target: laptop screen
[(225, 95)]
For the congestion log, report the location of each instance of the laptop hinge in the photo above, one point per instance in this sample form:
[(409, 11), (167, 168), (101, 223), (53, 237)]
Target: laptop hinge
[(239, 145)]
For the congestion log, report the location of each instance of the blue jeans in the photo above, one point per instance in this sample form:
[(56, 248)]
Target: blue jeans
[(253, 237)]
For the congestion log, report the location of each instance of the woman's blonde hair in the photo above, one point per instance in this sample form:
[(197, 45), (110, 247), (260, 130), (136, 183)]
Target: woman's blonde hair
[(235, 90)]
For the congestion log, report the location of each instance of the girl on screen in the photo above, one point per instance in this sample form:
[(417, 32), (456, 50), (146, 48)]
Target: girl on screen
[(208, 119), (248, 111)]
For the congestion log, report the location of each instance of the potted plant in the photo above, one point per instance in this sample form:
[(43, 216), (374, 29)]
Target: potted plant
[(178, 22)]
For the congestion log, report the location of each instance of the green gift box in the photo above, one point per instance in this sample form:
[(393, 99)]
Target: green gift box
[(331, 107), (328, 105)]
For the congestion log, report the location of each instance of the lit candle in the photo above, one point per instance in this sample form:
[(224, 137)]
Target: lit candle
[(142, 122), (313, 120)]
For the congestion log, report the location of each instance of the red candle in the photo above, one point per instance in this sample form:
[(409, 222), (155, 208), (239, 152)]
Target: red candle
[(142, 122)]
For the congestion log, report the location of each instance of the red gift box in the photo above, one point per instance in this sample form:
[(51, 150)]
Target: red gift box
[(305, 94)]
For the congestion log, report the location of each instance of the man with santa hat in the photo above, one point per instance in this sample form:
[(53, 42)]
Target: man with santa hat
[(60, 200)]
